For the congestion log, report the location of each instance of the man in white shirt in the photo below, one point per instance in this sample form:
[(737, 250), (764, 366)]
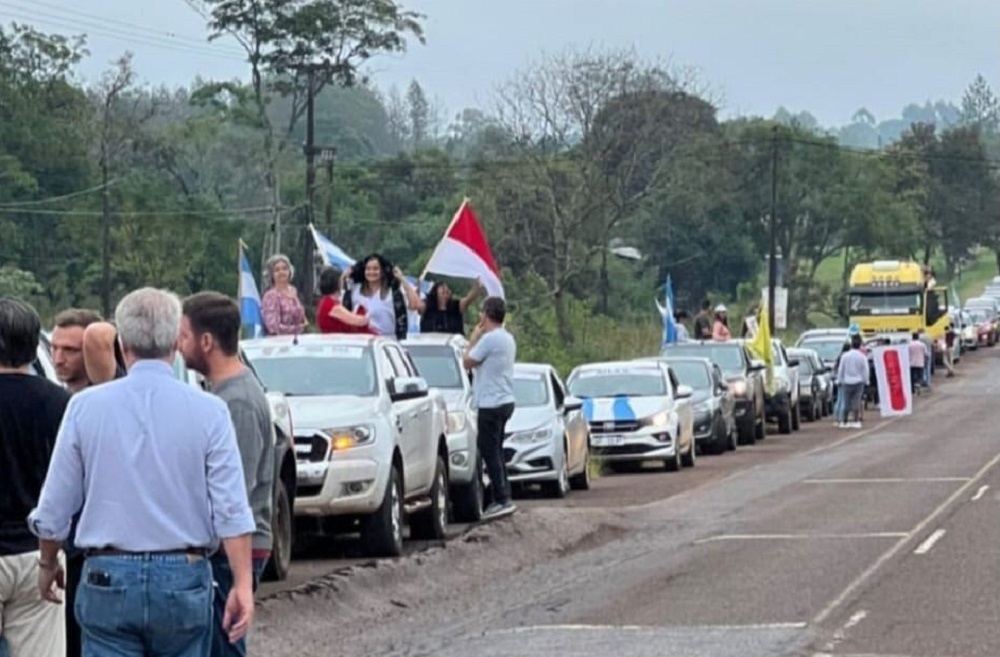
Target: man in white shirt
[(852, 375)]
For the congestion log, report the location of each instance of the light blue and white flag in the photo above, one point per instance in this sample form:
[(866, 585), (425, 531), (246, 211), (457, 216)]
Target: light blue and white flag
[(330, 252), (667, 313), (249, 296)]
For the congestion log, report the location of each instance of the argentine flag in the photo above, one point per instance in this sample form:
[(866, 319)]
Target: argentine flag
[(667, 313), (330, 252), (249, 297)]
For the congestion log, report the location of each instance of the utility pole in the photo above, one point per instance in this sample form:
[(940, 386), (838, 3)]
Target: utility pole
[(105, 240), (772, 271), (308, 247), (329, 194)]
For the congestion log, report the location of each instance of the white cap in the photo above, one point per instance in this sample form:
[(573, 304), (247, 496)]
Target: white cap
[(721, 308)]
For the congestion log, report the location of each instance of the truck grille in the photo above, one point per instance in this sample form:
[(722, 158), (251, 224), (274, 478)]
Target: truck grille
[(312, 448)]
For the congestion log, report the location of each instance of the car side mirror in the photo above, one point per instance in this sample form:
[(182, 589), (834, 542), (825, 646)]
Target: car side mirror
[(571, 404), (407, 387), (757, 365), (793, 362), (684, 392)]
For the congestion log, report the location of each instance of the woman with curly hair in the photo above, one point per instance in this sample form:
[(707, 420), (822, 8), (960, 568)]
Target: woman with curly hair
[(281, 309), (381, 289)]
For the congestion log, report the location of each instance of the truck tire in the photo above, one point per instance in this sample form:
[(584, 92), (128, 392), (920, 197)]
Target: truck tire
[(431, 524), (785, 422), (382, 532), (282, 529)]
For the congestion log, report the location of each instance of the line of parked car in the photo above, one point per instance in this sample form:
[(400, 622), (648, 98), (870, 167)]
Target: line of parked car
[(978, 322)]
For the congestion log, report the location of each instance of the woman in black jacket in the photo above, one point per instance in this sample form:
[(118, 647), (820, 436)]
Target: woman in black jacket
[(374, 284)]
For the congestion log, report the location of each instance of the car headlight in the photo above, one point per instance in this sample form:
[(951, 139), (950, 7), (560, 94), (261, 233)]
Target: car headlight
[(535, 436), (738, 387), (658, 420), (342, 438), (456, 421)]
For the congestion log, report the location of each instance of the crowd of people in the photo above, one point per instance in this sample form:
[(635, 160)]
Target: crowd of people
[(372, 297), (137, 519)]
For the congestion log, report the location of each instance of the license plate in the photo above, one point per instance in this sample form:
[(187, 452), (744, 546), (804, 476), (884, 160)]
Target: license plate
[(608, 441)]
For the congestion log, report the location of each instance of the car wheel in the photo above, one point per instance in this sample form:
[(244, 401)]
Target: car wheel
[(432, 523), (689, 458), (761, 429), (467, 499), (747, 431), (785, 422), (557, 489), (674, 464), (282, 528), (382, 532), (582, 481), (796, 417), (734, 438)]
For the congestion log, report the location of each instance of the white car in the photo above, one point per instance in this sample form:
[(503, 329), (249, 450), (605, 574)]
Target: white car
[(369, 435), (637, 411), (547, 440), (43, 362), (438, 357)]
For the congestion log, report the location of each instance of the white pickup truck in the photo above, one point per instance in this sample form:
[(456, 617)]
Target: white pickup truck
[(369, 436)]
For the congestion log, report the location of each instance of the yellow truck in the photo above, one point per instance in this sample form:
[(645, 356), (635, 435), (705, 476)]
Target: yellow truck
[(893, 297)]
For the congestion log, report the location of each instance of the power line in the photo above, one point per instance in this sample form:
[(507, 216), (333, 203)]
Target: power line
[(54, 199), (74, 25), (143, 213)]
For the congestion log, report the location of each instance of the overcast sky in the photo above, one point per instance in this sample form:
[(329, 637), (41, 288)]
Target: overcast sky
[(826, 56)]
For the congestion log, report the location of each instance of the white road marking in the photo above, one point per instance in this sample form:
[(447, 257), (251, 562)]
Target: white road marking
[(645, 628), (860, 580), (928, 544), (886, 480), (841, 634), (979, 493), (791, 537)]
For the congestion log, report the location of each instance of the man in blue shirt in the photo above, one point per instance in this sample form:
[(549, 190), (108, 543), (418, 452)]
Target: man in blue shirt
[(154, 464), (491, 352)]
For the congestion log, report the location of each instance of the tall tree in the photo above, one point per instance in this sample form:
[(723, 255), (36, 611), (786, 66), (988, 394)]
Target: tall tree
[(419, 109)]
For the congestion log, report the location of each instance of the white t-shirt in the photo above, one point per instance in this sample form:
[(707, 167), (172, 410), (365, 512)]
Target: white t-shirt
[(379, 309)]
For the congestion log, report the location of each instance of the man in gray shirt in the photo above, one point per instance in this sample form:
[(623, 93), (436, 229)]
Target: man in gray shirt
[(209, 342), (491, 352)]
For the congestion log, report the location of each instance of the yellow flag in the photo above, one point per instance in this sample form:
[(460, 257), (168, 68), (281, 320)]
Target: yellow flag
[(761, 345)]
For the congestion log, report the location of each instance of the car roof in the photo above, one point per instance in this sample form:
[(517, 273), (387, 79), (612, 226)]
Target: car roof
[(435, 338), (540, 368), (620, 365), (347, 339), (682, 359)]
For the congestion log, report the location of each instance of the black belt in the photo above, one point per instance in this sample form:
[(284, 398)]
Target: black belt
[(114, 552)]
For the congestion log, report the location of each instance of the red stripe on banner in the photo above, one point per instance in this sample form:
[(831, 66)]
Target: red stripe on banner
[(894, 379)]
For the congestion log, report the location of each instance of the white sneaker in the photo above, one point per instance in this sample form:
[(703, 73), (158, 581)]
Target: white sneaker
[(855, 425)]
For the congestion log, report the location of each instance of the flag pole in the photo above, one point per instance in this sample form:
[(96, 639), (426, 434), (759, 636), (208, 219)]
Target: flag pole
[(447, 230)]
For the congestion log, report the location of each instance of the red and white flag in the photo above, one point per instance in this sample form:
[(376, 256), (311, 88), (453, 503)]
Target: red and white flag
[(465, 253)]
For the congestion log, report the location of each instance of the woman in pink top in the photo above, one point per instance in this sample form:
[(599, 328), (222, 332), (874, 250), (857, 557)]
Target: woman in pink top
[(720, 327), (283, 312)]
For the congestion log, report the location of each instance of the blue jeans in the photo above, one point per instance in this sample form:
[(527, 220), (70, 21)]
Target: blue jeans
[(853, 394), (838, 403), (223, 576), (139, 605), (3, 647)]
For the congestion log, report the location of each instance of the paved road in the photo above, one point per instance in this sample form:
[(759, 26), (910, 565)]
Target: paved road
[(874, 543)]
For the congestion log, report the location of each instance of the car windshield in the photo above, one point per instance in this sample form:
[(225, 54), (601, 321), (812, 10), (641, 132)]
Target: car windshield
[(692, 374), (827, 349), (316, 370), (622, 383), (805, 364), (530, 390), (438, 365), (729, 357)]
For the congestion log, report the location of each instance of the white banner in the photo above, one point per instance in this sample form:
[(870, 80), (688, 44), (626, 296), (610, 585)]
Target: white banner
[(780, 307), (892, 372)]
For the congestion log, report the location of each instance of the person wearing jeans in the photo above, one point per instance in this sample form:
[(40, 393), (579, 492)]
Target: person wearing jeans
[(153, 467), (491, 352), (852, 375)]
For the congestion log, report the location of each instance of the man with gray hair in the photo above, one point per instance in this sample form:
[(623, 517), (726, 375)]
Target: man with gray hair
[(154, 464)]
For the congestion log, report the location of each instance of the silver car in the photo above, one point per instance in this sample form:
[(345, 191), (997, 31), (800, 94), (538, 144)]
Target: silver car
[(713, 403), (438, 357), (815, 385), (548, 440)]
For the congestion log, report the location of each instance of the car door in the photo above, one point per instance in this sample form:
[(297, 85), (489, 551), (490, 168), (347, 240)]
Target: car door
[(684, 411), (415, 423), (726, 401), (560, 424)]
